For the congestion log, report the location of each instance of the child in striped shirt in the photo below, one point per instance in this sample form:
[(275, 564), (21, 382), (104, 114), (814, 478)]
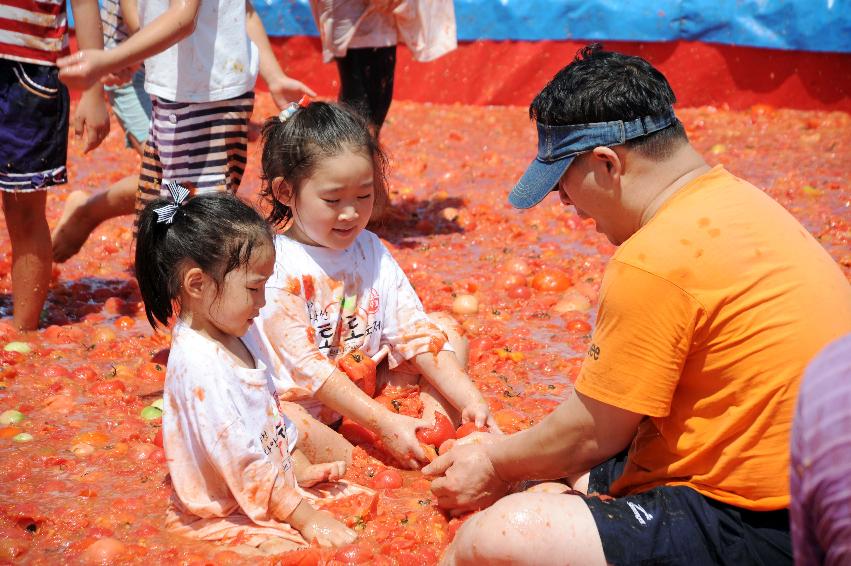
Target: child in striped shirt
[(34, 117), (201, 62)]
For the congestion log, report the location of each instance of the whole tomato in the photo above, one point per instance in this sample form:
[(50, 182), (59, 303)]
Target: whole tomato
[(513, 280), (361, 370), (551, 280), (388, 478), (469, 428), (578, 326), (439, 432)]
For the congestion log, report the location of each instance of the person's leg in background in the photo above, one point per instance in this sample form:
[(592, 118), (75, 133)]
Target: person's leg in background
[(31, 256), (366, 81), (84, 212)]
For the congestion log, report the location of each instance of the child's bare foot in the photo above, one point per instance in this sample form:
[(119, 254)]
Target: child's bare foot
[(317, 473), (73, 227)]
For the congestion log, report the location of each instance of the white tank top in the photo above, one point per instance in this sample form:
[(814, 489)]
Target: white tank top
[(218, 61)]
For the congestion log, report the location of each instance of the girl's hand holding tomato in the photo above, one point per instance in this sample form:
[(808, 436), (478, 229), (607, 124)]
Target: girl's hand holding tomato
[(441, 431), (480, 414), (398, 435)]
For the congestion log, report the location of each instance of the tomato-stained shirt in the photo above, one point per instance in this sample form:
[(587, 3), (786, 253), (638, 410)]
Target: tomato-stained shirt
[(708, 316), (322, 303), (225, 437)]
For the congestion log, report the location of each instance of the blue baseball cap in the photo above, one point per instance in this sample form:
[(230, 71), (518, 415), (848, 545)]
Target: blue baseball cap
[(559, 145)]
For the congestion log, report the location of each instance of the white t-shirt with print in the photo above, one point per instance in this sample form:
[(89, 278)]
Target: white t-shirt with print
[(225, 438), (321, 303)]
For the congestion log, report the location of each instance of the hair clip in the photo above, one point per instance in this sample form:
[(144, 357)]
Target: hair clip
[(178, 194), (294, 107)]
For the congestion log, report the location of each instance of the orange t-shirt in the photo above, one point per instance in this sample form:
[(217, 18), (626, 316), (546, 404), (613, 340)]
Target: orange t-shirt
[(708, 316)]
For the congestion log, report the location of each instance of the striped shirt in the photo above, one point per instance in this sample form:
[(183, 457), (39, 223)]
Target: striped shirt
[(33, 31), (820, 510), (114, 29)]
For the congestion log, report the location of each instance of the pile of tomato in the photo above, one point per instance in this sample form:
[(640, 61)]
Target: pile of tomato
[(81, 462)]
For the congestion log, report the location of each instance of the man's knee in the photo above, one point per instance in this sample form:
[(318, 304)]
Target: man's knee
[(529, 528)]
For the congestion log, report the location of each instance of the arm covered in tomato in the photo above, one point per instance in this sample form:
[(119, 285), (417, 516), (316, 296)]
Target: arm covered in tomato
[(444, 371), (286, 331), (579, 434)]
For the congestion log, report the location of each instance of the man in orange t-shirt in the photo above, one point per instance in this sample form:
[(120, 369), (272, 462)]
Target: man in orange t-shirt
[(710, 309)]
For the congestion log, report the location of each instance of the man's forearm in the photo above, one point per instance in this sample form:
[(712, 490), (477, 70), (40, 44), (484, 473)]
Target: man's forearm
[(565, 442)]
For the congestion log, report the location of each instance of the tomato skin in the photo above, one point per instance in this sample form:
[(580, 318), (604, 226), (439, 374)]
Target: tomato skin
[(354, 554), (514, 280), (356, 433), (519, 292), (469, 428), (388, 478), (579, 326), (519, 266), (361, 370), (551, 280), (441, 431)]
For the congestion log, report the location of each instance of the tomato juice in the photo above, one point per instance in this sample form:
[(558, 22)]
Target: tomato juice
[(94, 470)]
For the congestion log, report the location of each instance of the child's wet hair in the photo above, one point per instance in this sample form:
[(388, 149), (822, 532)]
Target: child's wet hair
[(291, 150), (216, 232)]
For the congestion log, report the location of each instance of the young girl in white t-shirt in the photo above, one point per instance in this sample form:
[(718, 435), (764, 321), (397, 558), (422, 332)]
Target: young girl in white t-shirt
[(232, 454), (336, 288)]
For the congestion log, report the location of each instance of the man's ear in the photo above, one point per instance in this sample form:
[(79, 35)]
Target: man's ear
[(282, 190), (194, 281), (608, 166)]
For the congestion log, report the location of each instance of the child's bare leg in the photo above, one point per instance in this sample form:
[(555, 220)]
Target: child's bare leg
[(31, 257), (319, 442), (579, 482), (84, 212)]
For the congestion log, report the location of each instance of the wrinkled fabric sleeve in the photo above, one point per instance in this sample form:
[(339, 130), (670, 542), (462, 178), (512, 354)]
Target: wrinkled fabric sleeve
[(289, 331), (643, 335), (407, 328), (251, 476)]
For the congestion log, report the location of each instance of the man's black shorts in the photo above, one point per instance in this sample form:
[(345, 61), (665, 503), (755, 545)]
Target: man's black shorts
[(678, 525)]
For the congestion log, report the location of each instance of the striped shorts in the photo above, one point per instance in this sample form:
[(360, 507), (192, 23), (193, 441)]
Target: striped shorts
[(201, 145)]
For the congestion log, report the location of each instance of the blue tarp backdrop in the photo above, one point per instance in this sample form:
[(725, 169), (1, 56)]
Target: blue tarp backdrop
[(806, 25)]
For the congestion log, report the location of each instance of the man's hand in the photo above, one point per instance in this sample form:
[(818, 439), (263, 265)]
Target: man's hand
[(468, 481), (83, 68), (285, 89), (326, 530), (399, 436), (91, 118)]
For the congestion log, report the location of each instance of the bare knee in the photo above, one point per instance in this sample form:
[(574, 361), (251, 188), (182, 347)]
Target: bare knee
[(529, 528)]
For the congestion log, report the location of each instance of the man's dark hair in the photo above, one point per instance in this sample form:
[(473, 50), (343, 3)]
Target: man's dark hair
[(603, 86)]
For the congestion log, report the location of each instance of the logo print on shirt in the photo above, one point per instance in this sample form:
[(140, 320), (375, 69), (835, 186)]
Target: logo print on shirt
[(374, 302)]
